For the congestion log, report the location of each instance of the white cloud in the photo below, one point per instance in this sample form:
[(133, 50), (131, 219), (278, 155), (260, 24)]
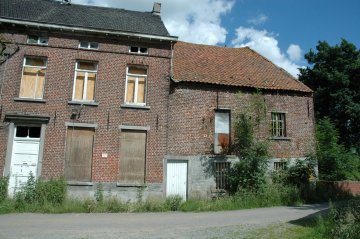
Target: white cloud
[(193, 21), (294, 52), (266, 44), (258, 20)]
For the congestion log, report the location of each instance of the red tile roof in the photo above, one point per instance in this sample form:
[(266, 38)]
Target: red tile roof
[(230, 66)]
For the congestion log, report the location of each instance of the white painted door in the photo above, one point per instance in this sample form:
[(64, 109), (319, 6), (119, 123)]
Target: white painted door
[(24, 159), (176, 182)]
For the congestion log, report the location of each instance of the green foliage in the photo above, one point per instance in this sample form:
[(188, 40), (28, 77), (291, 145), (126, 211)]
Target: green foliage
[(173, 203), (334, 77), (99, 193), (335, 162), (4, 182)]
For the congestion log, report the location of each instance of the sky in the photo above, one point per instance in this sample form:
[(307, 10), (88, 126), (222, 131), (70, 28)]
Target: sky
[(281, 30)]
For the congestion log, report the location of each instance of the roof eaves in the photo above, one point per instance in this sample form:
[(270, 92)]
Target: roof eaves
[(87, 30)]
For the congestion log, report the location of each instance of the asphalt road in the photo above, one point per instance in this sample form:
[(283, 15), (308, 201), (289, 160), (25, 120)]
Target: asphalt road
[(148, 225)]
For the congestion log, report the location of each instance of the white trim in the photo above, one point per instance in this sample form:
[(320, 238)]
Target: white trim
[(88, 30), (88, 45), (136, 76), (85, 81), (138, 51), (38, 41)]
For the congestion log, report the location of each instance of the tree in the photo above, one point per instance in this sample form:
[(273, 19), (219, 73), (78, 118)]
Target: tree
[(334, 75)]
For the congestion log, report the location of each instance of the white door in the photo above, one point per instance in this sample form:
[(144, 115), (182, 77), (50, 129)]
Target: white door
[(24, 157), (176, 181)]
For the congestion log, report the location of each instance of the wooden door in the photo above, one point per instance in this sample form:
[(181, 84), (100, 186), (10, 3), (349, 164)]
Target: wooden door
[(79, 151), (132, 157)]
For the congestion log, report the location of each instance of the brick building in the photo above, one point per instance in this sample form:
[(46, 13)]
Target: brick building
[(106, 95)]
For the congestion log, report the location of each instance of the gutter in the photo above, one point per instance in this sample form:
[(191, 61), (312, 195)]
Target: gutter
[(87, 30)]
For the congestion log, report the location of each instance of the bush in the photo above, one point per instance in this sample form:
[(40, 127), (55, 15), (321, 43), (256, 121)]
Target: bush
[(173, 203), (4, 182)]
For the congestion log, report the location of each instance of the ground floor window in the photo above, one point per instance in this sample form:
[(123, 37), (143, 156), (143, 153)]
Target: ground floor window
[(79, 153), (221, 175)]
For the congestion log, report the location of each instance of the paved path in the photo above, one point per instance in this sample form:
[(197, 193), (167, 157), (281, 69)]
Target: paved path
[(148, 225)]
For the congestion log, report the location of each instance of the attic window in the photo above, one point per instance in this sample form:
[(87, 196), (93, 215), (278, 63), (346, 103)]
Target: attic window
[(89, 45), (138, 50), (32, 39)]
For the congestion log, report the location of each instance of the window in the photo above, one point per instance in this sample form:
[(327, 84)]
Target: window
[(79, 153), (138, 50), (136, 85), (28, 132), (221, 175), (33, 78), (132, 157), (222, 132), (280, 165), (32, 39), (84, 83), (89, 45), (278, 126)]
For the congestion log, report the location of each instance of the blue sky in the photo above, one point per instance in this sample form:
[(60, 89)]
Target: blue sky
[(281, 30)]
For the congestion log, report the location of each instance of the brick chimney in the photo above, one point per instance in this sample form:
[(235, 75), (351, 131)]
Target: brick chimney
[(156, 9)]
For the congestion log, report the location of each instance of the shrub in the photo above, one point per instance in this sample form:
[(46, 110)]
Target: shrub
[(52, 191), (4, 181), (173, 203)]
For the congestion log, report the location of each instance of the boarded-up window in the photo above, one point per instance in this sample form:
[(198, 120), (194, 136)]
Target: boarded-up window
[(79, 148), (132, 157), (221, 175), (222, 132), (84, 83), (278, 126), (136, 85), (33, 78)]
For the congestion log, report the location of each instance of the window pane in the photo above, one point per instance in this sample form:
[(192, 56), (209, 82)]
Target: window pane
[(141, 90), (222, 121), (43, 40), (134, 49), (94, 45), (35, 61), (34, 132), (90, 86), (84, 65), (28, 82), (32, 39), (84, 44), (137, 70), (79, 85), (222, 132), (22, 131), (130, 89), (143, 50), (40, 84)]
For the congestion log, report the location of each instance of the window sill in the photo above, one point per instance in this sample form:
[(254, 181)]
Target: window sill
[(135, 185), (281, 138), (30, 100), (83, 103), (143, 107), (76, 183)]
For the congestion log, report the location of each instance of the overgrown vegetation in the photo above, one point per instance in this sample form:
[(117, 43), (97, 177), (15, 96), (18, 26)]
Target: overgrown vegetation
[(3, 188)]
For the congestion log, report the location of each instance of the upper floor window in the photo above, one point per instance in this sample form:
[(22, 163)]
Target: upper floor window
[(278, 124), (32, 39), (135, 92), (88, 45), (222, 131), (138, 50), (33, 78), (84, 83)]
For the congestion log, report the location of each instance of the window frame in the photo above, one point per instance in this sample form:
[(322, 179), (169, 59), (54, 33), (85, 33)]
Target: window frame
[(22, 76), (137, 76), (223, 150), (38, 41), (277, 118), (88, 45), (85, 81), (139, 50), (221, 173)]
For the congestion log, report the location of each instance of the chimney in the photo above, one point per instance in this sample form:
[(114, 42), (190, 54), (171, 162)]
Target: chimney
[(156, 9)]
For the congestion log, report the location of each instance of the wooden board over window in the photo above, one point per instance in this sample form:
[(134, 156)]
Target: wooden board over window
[(79, 148), (132, 157)]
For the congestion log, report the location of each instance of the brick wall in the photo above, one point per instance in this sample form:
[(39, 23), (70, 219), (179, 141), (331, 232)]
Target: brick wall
[(352, 187), (113, 58), (192, 110)]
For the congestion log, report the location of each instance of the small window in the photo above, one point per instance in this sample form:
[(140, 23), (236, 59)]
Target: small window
[(278, 125), (32, 39), (33, 78), (89, 45), (222, 132), (135, 92), (280, 165), (84, 83), (28, 132), (139, 50), (221, 175)]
